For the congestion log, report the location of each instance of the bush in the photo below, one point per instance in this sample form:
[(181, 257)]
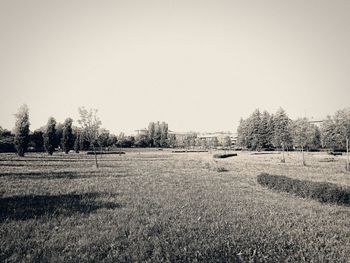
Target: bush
[(105, 152), (224, 155), (323, 192)]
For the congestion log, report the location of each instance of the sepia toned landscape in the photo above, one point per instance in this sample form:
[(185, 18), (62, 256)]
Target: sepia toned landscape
[(150, 205), (174, 131)]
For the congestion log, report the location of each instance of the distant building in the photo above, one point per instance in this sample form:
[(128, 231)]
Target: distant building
[(220, 136)]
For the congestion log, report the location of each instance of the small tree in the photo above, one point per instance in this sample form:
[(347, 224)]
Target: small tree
[(342, 130), (50, 136), (67, 140), (302, 131), (21, 138), (90, 124)]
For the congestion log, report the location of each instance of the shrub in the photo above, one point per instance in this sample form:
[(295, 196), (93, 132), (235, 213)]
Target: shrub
[(323, 192), (105, 152), (224, 155)]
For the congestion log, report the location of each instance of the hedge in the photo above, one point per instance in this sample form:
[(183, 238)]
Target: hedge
[(224, 155), (323, 192), (105, 152)]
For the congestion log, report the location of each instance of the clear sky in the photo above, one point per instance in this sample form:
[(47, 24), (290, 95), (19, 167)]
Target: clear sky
[(198, 65)]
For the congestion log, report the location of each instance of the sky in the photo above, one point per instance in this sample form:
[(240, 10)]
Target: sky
[(198, 65)]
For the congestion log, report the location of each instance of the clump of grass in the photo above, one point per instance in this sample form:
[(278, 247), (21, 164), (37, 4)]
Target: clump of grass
[(323, 192), (213, 166), (224, 155)]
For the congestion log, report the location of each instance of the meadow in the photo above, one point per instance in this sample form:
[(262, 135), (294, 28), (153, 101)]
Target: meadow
[(151, 206)]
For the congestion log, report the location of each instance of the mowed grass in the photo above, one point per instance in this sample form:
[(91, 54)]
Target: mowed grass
[(156, 206)]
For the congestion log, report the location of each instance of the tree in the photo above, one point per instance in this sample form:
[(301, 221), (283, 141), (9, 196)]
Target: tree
[(266, 130), (7, 141), (328, 136), (254, 130), (157, 134), (242, 134), (103, 138), (142, 140), (58, 135), (164, 134), (301, 131), (21, 138), (226, 141), (281, 137), (77, 139), (36, 140), (172, 140), (67, 140), (90, 124), (342, 131), (314, 141), (150, 132), (50, 136)]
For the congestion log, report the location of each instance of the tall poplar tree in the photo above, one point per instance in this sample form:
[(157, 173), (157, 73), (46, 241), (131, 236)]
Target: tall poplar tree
[(21, 138)]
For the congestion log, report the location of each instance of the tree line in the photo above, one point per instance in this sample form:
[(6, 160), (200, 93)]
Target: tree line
[(277, 131), (66, 136)]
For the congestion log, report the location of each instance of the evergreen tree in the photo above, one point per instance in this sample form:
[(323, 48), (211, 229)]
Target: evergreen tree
[(58, 135), (242, 134), (265, 130), (50, 136), (282, 137), (254, 130), (77, 141), (21, 138), (67, 140)]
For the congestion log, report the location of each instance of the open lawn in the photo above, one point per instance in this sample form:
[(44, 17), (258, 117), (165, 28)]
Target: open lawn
[(161, 206)]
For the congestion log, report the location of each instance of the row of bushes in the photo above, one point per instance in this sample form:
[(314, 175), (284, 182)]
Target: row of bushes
[(224, 155), (323, 192), (105, 152)]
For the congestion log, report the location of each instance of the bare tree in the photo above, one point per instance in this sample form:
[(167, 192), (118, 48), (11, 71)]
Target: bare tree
[(90, 124), (302, 131)]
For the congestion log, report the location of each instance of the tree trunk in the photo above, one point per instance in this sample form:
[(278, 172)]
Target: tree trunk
[(93, 146), (347, 154), (283, 160), (302, 150)]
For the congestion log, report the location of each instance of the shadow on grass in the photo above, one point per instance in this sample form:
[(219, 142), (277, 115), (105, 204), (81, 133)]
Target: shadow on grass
[(49, 175), (36, 206), (40, 175)]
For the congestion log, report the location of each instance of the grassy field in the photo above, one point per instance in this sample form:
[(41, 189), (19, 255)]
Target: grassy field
[(156, 206)]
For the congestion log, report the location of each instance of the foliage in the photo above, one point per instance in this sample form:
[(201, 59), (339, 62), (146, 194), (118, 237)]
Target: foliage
[(21, 138), (90, 125), (282, 135), (36, 140), (50, 136), (67, 140)]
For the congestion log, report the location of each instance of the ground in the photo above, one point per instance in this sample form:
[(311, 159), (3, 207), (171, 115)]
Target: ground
[(153, 206)]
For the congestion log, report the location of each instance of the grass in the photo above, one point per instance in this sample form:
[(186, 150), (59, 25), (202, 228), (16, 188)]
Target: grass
[(157, 206)]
